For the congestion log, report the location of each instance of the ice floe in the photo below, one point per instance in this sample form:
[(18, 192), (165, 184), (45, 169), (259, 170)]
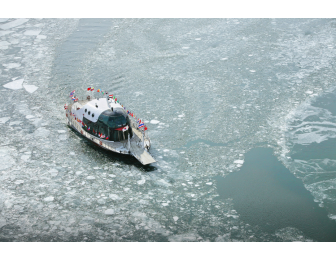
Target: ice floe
[(109, 212), (4, 120), (48, 199), (3, 33), (239, 161), (154, 122), (16, 84), (30, 88), (13, 24), (114, 197), (2, 20), (32, 32), (12, 65)]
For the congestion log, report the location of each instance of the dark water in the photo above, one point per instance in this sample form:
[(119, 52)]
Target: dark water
[(265, 193)]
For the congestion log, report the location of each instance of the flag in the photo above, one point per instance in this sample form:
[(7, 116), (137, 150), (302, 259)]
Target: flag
[(102, 136), (88, 89), (125, 128), (107, 138), (110, 96), (141, 125), (76, 99), (102, 92), (73, 98), (92, 89), (98, 90), (145, 128), (88, 128), (71, 93), (65, 106)]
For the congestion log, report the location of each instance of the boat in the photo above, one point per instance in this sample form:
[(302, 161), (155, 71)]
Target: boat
[(107, 123)]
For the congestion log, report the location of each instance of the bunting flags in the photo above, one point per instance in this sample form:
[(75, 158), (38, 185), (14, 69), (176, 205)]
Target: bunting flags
[(141, 125), (146, 128), (110, 96), (98, 90), (88, 89), (76, 100), (65, 107), (73, 98), (71, 93), (92, 89)]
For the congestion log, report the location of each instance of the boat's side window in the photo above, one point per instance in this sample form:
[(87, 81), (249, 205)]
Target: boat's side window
[(89, 112), (85, 110), (92, 115)]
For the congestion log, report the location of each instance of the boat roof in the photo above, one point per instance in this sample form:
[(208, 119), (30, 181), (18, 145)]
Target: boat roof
[(96, 107)]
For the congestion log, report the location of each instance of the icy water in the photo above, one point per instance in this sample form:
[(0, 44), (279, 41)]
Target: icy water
[(241, 114)]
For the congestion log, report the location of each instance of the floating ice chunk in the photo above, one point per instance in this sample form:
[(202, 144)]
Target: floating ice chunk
[(13, 24), (32, 32), (2, 20), (163, 183), (109, 212), (53, 172), (188, 237), (182, 152), (185, 48), (175, 218), (198, 39), (4, 120), (25, 157), (61, 131), (4, 43), (181, 115), (141, 182), (41, 37), (90, 177), (165, 204), (112, 175), (224, 58), (78, 172), (30, 116), (14, 122), (2, 33), (16, 84), (252, 71), (239, 161), (309, 92), (48, 199), (166, 150), (17, 182), (12, 65), (209, 183), (30, 88), (192, 195), (114, 197), (2, 221), (154, 122)]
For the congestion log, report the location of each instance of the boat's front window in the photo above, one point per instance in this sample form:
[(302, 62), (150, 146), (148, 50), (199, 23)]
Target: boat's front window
[(115, 122)]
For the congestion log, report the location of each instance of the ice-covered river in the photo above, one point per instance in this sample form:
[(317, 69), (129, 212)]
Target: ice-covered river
[(241, 114)]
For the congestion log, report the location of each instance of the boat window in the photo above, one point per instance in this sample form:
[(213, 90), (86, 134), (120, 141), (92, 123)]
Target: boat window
[(85, 110), (92, 115), (89, 112)]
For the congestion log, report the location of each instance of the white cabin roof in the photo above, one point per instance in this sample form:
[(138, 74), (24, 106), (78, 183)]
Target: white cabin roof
[(95, 107)]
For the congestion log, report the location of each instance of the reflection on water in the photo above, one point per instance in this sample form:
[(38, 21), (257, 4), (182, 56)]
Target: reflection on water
[(267, 194)]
